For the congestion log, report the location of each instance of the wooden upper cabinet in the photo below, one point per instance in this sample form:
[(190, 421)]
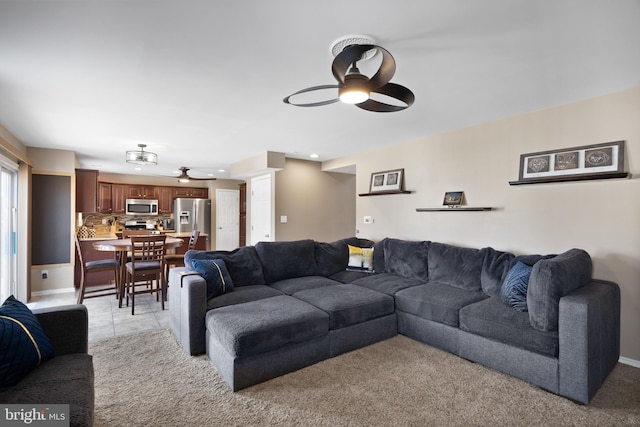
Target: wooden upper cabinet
[(165, 199), (86, 190), (104, 197), (193, 192), (118, 198), (141, 192)]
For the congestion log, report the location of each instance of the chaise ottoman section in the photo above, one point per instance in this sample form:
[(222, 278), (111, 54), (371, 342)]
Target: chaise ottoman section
[(255, 341), (357, 316)]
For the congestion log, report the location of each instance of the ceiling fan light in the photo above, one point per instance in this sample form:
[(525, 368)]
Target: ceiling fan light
[(183, 179), (353, 95), (355, 88), (141, 157)]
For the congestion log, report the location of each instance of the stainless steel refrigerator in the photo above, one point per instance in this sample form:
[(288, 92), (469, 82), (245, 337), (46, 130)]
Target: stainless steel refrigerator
[(193, 214)]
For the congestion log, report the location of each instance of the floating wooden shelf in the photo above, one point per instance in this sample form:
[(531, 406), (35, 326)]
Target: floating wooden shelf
[(382, 193), (460, 209), (566, 178)]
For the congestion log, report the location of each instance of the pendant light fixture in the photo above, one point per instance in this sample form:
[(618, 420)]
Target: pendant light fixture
[(141, 157)]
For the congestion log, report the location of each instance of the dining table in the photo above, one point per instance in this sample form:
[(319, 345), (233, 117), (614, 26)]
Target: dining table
[(123, 246)]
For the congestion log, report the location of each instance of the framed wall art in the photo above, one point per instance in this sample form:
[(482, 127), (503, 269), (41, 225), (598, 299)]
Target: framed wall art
[(575, 163), (391, 180)]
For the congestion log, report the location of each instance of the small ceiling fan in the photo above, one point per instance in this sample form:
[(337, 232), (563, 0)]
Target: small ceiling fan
[(184, 176), (356, 88)]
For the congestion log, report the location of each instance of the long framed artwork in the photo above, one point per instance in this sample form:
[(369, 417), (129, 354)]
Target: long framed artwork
[(575, 162), (391, 180)]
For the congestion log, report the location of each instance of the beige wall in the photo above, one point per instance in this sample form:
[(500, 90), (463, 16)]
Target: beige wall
[(55, 162), (602, 217), (318, 205)]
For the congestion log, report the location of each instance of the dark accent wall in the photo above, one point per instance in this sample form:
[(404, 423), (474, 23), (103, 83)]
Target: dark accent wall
[(51, 226)]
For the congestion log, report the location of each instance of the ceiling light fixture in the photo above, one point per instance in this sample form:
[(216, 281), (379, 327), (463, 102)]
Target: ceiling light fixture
[(141, 157), (355, 88)]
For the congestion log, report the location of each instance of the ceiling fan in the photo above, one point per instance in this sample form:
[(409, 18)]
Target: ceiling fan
[(356, 88), (184, 176)]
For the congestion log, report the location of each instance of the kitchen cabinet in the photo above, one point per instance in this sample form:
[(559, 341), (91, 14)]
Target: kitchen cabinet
[(193, 192), (104, 197), (86, 190), (141, 192), (118, 198), (165, 199)]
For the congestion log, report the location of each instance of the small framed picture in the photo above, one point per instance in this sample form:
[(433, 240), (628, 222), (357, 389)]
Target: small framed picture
[(453, 198), (391, 180)]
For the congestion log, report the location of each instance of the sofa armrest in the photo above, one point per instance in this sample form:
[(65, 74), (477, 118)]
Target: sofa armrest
[(589, 338), (188, 307), (66, 326)]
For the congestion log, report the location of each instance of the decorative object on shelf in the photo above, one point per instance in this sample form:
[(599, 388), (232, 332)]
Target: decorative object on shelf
[(387, 181), (353, 86), (453, 199), (596, 161), (141, 157)]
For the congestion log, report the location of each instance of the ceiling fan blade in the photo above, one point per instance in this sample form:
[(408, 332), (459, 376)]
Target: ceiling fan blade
[(352, 54), (287, 100), (393, 90)]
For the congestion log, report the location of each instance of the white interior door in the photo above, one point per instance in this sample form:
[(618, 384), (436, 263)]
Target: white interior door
[(261, 210), (227, 219)]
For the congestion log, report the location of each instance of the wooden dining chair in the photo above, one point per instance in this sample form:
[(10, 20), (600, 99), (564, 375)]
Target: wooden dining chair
[(88, 267), (146, 267), (177, 260)]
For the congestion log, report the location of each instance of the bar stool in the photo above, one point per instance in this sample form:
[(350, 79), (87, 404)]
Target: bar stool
[(147, 266), (177, 260), (96, 267)]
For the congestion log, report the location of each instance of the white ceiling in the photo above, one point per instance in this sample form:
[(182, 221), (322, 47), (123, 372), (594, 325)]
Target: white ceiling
[(202, 82)]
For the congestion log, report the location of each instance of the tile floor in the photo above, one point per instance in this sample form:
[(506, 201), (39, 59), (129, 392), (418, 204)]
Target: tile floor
[(107, 320)]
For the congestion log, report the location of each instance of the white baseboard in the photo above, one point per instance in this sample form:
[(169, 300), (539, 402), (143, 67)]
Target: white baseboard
[(52, 292), (627, 361)]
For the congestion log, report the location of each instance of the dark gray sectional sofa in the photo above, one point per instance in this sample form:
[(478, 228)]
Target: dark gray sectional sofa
[(295, 304), (68, 377)]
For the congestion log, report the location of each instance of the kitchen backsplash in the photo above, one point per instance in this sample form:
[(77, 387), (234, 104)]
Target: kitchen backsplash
[(108, 223)]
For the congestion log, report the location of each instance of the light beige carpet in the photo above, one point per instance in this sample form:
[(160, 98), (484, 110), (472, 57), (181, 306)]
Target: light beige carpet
[(146, 380)]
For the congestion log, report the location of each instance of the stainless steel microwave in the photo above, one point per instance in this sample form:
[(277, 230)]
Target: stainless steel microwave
[(141, 207)]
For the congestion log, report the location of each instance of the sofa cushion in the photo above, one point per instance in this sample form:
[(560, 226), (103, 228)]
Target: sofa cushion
[(406, 258), (214, 272), (346, 276), (436, 302), (492, 319), (291, 286), (455, 266), (550, 280), (243, 264), (494, 268), (264, 325), (243, 294), (23, 343), (387, 283), (284, 260), (514, 288), (348, 305), (66, 379), (331, 258)]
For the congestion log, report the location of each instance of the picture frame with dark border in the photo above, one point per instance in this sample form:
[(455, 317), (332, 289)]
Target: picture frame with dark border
[(575, 162), (387, 181), (453, 199)]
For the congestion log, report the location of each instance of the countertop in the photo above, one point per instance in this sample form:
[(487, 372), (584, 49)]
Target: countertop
[(111, 236)]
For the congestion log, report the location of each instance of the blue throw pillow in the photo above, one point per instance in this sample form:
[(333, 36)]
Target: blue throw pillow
[(514, 288), (215, 273), (23, 343)]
